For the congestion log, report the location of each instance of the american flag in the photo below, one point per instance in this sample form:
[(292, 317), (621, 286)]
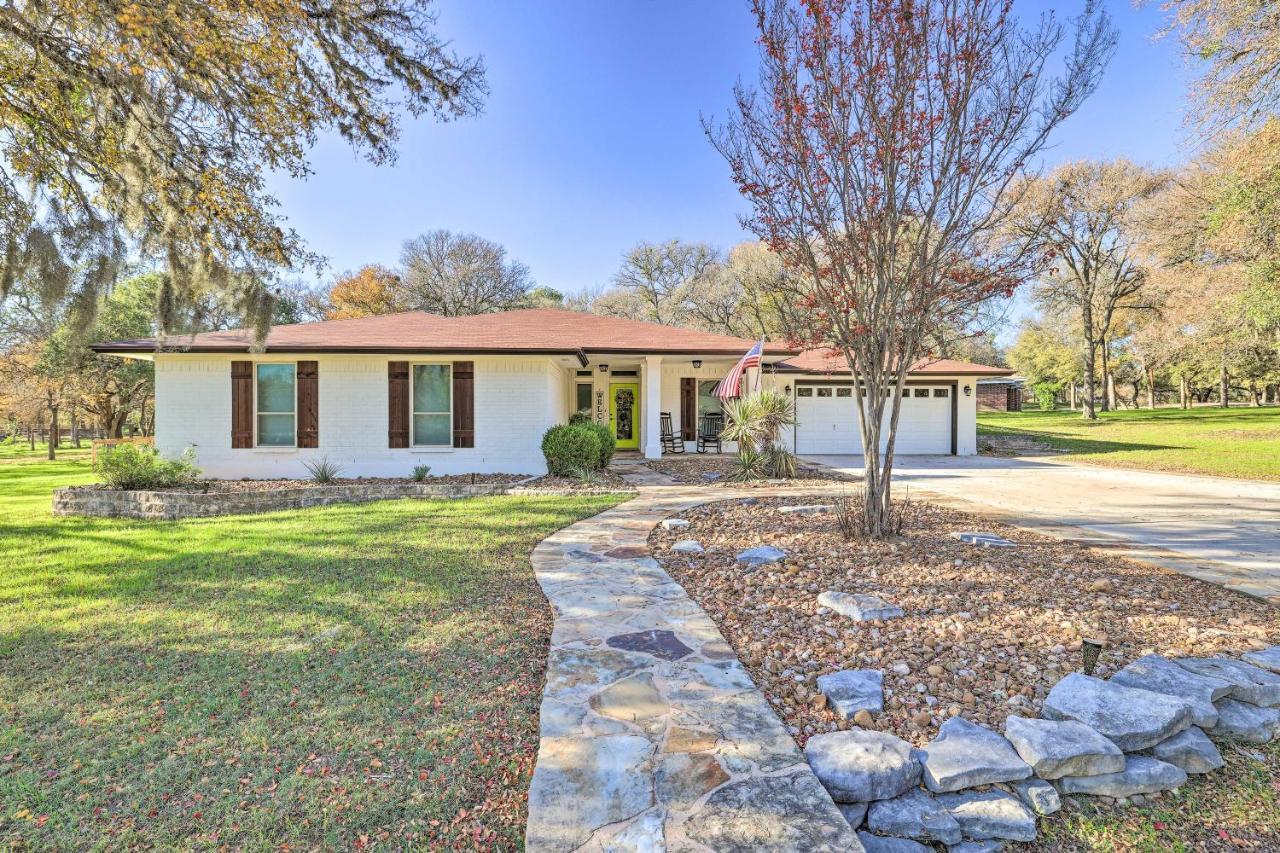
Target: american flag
[(731, 385)]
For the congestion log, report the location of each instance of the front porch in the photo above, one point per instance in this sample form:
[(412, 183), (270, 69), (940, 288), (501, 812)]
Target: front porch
[(631, 394)]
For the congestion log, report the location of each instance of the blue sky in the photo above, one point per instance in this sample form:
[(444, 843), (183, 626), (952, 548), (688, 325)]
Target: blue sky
[(590, 141)]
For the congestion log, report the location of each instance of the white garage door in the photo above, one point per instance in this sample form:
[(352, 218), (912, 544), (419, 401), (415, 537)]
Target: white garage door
[(827, 420)]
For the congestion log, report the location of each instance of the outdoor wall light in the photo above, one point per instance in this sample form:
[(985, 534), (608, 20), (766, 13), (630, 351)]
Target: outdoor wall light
[(968, 389), (786, 389), (604, 368), (1090, 650), (697, 363)]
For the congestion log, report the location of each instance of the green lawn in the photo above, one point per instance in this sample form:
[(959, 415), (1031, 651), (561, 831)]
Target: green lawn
[(332, 677), (1237, 442)]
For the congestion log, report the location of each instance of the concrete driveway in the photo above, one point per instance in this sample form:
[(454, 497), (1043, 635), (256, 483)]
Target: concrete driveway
[(1221, 530)]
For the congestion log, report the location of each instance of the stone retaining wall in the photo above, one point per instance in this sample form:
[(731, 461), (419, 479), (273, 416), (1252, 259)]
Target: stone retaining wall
[(109, 503)]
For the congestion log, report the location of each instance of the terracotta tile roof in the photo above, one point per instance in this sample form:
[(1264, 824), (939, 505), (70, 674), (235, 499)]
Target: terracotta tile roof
[(529, 331), (823, 361)]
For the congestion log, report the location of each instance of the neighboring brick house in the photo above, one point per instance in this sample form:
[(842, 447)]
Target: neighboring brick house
[(1003, 394)]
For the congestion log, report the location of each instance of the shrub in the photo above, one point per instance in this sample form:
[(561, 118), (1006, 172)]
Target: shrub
[(1047, 395), (582, 416), (420, 472), (567, 447), (139, 466), (749, 465), (780, 462), (607, 442), (322, 470), (587, 476)]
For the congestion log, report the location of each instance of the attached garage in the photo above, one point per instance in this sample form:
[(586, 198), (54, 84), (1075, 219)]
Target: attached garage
[(827, 419)]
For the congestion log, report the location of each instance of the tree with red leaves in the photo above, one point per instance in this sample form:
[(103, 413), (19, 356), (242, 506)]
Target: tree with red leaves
[(880, 154)]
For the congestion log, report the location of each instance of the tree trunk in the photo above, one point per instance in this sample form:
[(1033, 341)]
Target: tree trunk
[(1090, 365), (1184, 393), (1224, 386), (1072, 390), (75, 427), (31, 437), (1255, 396), (53, 432), (1108, 386), (1151, 388)]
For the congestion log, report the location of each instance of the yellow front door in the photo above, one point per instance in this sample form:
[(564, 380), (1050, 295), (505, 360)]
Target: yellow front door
[(624, 414)]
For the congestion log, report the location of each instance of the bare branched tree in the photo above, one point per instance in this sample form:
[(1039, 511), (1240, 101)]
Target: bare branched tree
[(457, 274), (878, 155)]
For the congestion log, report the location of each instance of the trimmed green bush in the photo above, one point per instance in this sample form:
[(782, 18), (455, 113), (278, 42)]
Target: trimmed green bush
[(579, 418), (569, 447), (138, 466), (607, 442)]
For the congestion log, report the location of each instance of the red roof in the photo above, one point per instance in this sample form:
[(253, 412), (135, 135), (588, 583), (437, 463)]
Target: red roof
[(824, 361), (530, 331)]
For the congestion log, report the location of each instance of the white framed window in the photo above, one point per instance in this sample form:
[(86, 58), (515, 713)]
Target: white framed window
[(275, 403), (431, 396), (583, 396), (708, 402)]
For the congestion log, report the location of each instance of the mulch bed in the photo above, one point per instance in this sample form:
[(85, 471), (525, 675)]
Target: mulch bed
[(693, 469), (233, 486), (608, 482), (987, 632)]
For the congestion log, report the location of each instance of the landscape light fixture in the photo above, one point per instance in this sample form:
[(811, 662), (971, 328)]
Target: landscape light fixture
[(786, 389), (968, 389), (1090, 650), (697, 363)]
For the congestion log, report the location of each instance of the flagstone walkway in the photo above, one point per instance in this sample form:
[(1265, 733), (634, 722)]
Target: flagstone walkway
[(653, 736)]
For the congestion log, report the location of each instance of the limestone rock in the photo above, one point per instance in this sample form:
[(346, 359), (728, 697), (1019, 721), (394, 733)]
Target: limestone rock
[(1141, 775), (688, 546), (1154, 673), (790, 813), (601, 780), (858, 766), (965, 754), (852, 690), (881, 844), (675, 524), (1041, 797), (761, 555), (631, 699), (854, 813), (1191, 750), (984, 540), (860, 608), (805, 509), (1130, 717), (661, 644), (1057, 748), (913, 815), (1266, 658), (1249, 723), (991, 814), (1250, 684)]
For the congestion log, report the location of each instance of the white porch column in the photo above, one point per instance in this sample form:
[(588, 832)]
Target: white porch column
[(652, 406)]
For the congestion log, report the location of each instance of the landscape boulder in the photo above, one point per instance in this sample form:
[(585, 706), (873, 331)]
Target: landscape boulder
[(1057, 748), (1191, 750), (761, 555), (688, 546), (1141, 775), (852, 690), (1266, 658), (1129, 717), (860, 608), (991, 814), (916, 815), (805, 509), (965, 755), (1249, 683), (881, 844), (1246, 722), (1154, 673), (858, 766), (1041, 797)]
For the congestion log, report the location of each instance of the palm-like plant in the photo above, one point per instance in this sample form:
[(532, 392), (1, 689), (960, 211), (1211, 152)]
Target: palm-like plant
[(755, 422)]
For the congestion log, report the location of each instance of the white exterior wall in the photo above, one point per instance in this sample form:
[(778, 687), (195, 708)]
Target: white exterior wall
[(516, 399)]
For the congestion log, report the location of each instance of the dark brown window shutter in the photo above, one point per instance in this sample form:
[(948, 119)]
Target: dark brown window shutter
[(398, 404), (242, 404), (464, 404), (688, 408), (308, 404)]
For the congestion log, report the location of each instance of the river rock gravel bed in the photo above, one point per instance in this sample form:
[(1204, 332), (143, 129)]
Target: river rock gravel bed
[(986, 632)]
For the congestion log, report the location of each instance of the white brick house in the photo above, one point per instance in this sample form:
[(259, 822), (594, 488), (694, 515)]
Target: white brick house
[(379, 395)]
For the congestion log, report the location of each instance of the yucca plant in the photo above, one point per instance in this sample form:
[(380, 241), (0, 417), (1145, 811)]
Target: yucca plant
[(420, 472), (322, 470), (780, 462), (586, 476), (756, 420), (749, 465)]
